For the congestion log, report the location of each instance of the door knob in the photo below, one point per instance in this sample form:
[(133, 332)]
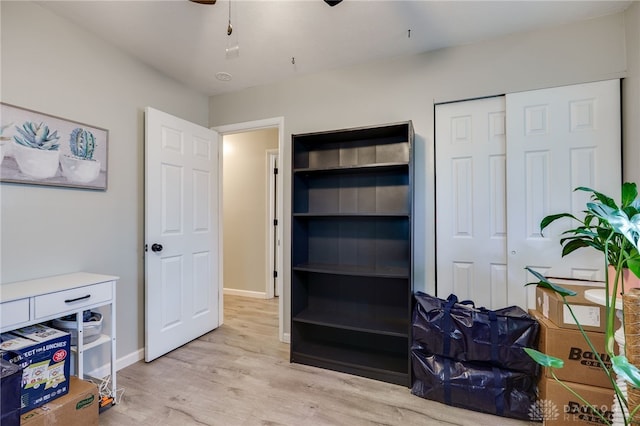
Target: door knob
[(155, 247)]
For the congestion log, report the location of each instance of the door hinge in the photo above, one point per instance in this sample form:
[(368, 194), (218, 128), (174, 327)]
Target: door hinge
[(275, 170), (275, 222), (275, 274)]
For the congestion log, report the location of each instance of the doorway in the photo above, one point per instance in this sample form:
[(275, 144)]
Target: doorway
[(251, 209)]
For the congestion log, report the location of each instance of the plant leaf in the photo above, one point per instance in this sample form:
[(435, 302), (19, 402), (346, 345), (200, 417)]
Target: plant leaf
[(634, 266), (623, 368), (544, 359), (551, 218), (546, 284), (618, 221), (574, 244), (608, 201), (629, 193)]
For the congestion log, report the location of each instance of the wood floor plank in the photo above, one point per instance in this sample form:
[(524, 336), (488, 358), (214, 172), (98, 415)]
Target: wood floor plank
[(240, 375)]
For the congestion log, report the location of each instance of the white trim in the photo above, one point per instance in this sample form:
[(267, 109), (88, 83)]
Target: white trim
[(286, 338), (277, 122), (246, 293), (267, 123), (220, 233)]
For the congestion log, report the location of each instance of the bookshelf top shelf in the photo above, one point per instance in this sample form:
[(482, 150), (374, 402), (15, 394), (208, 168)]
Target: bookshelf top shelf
[(364, 168)]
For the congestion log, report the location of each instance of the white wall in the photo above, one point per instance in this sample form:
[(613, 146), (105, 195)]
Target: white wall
[(631, 97), (245, 214), (406, 88), (53, 66)]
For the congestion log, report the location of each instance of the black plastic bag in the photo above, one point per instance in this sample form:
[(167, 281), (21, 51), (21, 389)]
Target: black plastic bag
[(460, 331), (472, 386)]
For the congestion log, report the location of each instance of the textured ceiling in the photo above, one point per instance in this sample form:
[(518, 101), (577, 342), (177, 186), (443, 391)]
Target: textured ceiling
[(187, 41)]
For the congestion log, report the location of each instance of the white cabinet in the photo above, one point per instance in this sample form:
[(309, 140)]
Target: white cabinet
[(24, 303)]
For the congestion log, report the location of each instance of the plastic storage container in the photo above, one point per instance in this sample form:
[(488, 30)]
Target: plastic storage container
[(92, 326)]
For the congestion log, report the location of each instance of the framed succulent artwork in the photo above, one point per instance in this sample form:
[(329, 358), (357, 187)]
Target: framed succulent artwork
[(40, 149)]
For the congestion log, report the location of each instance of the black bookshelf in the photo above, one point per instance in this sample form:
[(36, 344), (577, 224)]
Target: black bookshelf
[(351, 285)]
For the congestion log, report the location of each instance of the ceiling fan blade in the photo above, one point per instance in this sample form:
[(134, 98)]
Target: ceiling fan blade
[(204, 1), (332, 2)]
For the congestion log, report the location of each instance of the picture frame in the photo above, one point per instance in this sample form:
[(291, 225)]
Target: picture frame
[(41, 149)]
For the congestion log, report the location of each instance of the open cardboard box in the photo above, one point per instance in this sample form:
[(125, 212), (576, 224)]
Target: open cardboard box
[(592, 317)]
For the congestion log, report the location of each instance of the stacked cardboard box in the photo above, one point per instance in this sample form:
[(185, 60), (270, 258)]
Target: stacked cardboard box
[(580, 362), (592, 317), (582, 372), (79, 407), (563, 408)]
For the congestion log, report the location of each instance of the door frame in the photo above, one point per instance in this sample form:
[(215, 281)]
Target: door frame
[(247, 126), (272, 159)]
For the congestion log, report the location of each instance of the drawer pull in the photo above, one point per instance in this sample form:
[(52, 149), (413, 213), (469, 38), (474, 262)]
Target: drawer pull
[(77, 299)]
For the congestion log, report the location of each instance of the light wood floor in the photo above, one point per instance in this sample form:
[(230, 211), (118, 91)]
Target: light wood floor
[(240, 374)]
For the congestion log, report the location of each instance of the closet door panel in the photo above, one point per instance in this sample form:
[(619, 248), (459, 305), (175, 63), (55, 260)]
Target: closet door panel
[(470, 201), (557, 140)]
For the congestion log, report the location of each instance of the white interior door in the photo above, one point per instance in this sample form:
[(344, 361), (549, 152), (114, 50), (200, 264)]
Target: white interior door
[(470, 198), (182, 232), (558, 139), (492, 191)]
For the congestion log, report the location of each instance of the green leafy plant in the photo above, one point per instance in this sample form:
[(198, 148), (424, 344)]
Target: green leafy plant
[(82, 143), (600, 225), (37, 136), (615, 231)]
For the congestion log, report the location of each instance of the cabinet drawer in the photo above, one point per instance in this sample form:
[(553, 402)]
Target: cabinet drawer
[(14, 313), (72, 300)]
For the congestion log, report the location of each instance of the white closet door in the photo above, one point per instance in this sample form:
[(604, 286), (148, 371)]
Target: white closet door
[(558, 139), (500, 170), (470, 199)]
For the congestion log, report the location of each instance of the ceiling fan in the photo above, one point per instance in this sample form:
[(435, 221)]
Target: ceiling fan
[(329, 2)]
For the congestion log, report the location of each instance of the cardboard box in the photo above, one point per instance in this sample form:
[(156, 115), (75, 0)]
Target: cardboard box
[(79, 407), (44, 354), (591, 316), (558, 407), (580, 363)]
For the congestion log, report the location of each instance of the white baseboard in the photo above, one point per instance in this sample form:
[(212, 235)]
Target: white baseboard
[(121, 363), (132, 358), (245, 293)]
